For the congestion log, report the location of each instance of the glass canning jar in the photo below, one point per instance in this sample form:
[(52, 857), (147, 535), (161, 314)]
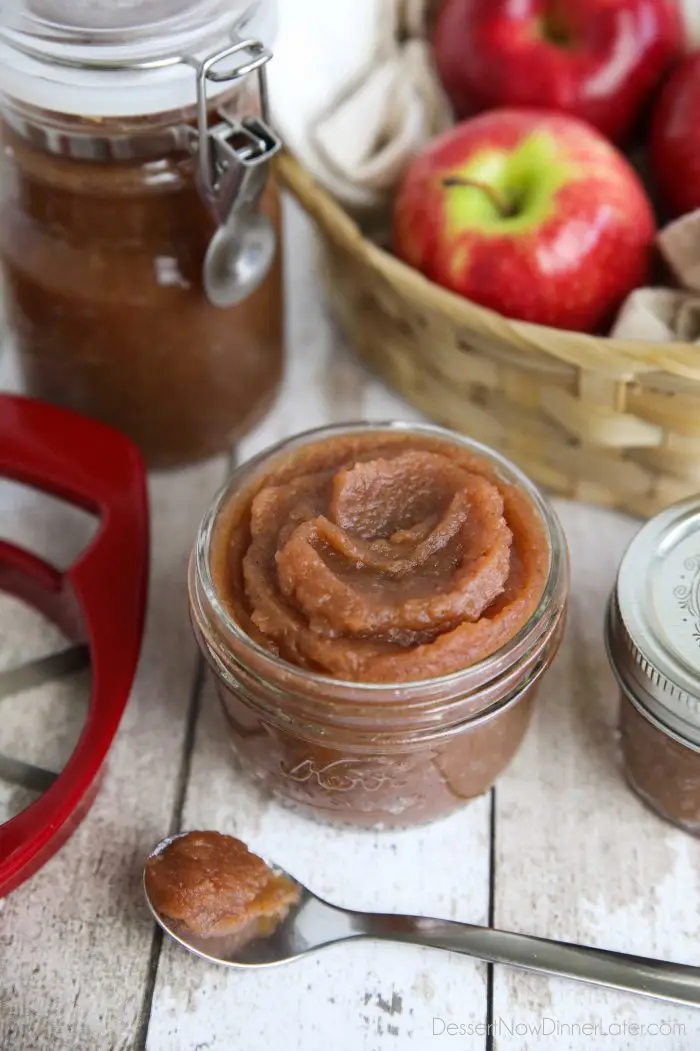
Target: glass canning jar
[(142, 285), (372, 754), (653, 641)]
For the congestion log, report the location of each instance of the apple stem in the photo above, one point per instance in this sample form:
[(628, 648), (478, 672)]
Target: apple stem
[(500, 203)]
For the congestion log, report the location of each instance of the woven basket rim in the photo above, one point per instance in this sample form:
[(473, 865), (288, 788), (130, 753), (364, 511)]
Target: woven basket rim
[(614, 357)]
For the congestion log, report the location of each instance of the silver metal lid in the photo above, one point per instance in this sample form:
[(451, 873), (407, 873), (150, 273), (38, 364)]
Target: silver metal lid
[(653, 630)]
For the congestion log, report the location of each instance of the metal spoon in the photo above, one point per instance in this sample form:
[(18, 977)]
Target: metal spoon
[(238, 259), (243, 248), (315, 924)]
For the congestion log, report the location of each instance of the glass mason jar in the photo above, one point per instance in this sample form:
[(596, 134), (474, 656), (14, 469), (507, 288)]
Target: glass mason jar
[(139, 227), (653, 642), (364, 753)]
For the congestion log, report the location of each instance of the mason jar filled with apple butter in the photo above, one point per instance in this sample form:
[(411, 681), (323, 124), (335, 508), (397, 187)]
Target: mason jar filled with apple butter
[(378, 605), (139, 222), (653, 642)]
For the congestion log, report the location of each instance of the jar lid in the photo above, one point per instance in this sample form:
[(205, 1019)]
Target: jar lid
[(120, 58), (654, 619)]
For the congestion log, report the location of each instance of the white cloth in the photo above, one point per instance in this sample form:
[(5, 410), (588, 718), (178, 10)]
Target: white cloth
[(668, 315), (366, 137), (679, 244), (659, 315)]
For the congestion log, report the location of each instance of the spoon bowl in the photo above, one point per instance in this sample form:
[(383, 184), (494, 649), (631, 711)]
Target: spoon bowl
[(310, 925), (238, 259), (314, 924)]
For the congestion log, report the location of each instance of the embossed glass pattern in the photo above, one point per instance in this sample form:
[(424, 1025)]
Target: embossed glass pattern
[(367, 754)]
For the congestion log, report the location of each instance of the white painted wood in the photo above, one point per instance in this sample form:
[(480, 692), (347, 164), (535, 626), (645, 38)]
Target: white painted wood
[(75, 941), (576, 855), (378, 996), (442, 870)]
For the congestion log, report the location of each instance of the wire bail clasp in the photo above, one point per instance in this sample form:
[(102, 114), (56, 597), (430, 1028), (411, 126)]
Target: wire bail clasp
[(233, 164), (230, 150)]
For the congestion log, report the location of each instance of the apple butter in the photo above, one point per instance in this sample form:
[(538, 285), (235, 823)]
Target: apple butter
[(663, 770), (120, 287), (653, 641), (378, 604), (214, 887)]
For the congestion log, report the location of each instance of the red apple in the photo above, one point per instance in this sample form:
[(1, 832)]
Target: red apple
[(675, 139), (531, 213), (599, 60)]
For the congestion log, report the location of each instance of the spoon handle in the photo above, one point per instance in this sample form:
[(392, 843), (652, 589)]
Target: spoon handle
[(673, 982)]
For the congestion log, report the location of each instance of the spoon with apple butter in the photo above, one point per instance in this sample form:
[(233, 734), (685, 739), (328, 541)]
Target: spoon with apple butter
[(229, 906)]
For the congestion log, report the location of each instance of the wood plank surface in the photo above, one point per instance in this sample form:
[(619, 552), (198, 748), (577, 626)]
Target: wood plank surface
[(76, 941), (378, 996), (575, 855)]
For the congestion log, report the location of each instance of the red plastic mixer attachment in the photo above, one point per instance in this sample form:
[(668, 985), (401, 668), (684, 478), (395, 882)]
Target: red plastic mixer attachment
[(98, 603)]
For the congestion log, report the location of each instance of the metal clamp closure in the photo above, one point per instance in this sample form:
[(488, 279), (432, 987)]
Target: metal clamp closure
[(229, 151), (232, 169)]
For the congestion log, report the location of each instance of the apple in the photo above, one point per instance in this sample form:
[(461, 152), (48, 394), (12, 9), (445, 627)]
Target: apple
[(599, 60), (531, 213), (674, 146)]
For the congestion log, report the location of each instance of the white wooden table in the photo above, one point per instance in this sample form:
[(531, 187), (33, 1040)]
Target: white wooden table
[(559, 848)]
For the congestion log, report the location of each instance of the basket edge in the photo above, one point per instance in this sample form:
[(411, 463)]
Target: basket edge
[(613, 356)]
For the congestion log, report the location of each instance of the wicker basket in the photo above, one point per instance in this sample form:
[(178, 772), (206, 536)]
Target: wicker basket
[(605, 421)]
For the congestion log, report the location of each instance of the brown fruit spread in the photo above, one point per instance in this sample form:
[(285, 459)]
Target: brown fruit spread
[(381, 559), (385, 784), (356, 594), (213, 886), (103, 268), (664, 772)]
